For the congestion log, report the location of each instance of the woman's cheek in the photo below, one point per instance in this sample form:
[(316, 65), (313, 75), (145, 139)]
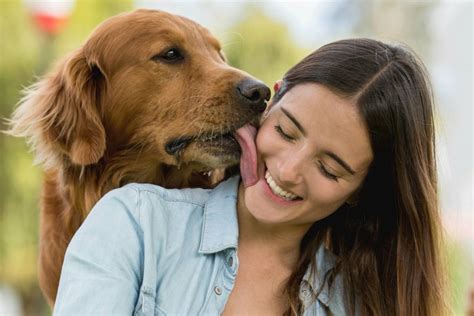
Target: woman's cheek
[(328, 193), (264, 139)]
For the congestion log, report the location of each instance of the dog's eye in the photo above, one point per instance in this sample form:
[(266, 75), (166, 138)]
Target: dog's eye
[(170, 55), (173, 54)]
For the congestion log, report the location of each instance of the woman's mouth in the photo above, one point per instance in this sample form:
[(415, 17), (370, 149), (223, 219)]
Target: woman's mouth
[(254, 171), (278, 191)]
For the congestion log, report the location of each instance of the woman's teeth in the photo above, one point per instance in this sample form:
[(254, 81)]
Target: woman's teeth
[(277, 190)]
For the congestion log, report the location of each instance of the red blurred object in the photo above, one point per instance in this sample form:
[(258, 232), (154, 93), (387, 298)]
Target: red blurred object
[(50, 15), (50, 24)]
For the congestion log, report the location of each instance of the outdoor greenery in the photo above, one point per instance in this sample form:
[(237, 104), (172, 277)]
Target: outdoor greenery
[(258, 44)]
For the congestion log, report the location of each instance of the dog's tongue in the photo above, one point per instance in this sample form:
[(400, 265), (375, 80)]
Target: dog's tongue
[(248, 161)]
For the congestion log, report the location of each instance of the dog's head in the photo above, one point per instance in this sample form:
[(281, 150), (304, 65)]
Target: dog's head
[(148, 80)]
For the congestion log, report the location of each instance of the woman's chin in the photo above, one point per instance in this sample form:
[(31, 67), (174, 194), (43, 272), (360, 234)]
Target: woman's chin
[(266, 206)]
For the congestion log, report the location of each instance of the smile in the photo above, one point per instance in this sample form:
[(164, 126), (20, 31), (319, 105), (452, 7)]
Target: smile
[(277, 190)]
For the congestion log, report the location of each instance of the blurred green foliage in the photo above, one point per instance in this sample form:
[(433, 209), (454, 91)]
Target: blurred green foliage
[(22, 60), (459, 266), (257, 44), (262, 46), (19, 180)]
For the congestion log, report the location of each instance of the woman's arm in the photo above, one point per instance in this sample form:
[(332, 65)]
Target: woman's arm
[(103, 266)]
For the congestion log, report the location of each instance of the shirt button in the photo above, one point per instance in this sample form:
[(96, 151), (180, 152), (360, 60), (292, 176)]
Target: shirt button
[(230, 261), (305, 290), (218, 290)]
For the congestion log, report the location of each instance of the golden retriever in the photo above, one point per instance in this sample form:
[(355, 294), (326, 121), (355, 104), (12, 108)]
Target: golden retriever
[(147, 98)]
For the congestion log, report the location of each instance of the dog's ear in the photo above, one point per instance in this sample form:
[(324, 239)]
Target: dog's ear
[(60, 114)]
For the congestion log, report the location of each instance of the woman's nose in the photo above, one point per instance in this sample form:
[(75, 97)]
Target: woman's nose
[(290, 171)]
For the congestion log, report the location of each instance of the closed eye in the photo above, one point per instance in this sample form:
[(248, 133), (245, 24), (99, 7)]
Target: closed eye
[(283, 134), (326, 173)]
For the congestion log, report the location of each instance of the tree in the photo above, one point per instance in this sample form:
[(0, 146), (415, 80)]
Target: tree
[(261, 46)]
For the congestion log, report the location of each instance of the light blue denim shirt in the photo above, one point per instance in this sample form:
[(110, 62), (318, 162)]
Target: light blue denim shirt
[(146, 250)]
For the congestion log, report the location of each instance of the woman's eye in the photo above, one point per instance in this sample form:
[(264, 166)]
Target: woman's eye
[(283, 134), (326, 173), (170, 56)]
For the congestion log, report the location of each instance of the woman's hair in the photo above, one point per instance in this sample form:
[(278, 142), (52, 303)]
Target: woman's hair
[(388, 246)]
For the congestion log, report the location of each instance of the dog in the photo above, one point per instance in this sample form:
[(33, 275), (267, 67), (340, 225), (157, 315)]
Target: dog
[(150, 98)]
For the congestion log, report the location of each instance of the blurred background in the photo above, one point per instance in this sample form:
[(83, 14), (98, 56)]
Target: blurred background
[(264, 39)]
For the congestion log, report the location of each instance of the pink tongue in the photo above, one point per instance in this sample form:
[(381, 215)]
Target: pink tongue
[(248, 161)]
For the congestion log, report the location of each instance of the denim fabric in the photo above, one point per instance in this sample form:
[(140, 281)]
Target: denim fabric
[(146, 250)]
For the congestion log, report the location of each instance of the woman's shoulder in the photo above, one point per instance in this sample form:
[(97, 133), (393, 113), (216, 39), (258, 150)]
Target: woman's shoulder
[(143, 201), (152, 191), (137, 211), (140, 202)]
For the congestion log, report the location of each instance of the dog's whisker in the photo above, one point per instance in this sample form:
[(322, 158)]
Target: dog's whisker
[(231, 43), (140, 150), (231, 34), (201, 125), (201, 129), (199, 97), (180, 102), (212, 133), (221, 136), (82, 172)]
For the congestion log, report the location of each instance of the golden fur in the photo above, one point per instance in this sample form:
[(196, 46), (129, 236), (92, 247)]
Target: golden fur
[(107, 113)]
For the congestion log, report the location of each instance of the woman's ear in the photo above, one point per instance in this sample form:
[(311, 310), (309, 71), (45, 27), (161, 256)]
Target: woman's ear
[(276, 88), (277, 85), (60, 114), (353, 200), (267, 110)]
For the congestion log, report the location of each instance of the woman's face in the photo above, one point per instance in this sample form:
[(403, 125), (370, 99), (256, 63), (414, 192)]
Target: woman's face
[(313, 154)]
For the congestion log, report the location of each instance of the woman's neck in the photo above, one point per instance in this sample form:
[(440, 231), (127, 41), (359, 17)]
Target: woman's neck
[(279, 241)]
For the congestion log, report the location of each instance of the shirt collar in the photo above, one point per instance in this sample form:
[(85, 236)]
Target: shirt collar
[(331, 296), (220, 229)]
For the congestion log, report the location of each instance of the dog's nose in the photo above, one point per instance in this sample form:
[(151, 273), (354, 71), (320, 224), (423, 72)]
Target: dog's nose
[(254, 92)]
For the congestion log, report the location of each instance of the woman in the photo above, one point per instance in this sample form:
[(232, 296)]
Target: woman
[(336, 214)]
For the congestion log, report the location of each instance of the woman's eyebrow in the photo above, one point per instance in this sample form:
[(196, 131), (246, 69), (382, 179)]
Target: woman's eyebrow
[(294, 120), (340, 161), (335, 157)]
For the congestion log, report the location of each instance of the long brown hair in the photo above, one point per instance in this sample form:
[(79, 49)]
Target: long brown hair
[(388, 246)]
